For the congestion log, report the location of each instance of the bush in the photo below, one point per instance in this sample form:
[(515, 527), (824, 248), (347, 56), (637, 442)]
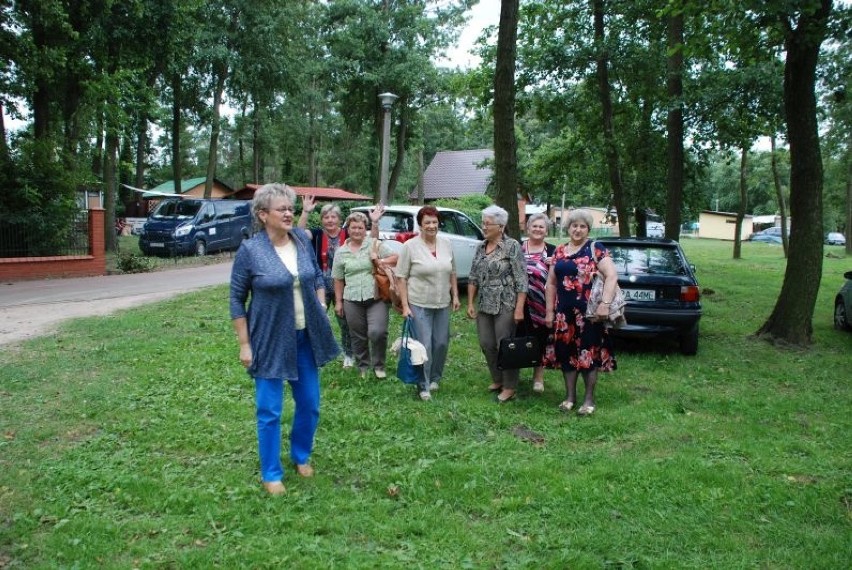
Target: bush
[(128, 262)]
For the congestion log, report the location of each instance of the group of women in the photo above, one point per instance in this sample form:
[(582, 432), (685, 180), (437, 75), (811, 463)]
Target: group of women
[(285, 276)]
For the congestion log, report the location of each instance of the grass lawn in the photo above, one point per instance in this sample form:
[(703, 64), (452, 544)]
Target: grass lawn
[(128, 442)]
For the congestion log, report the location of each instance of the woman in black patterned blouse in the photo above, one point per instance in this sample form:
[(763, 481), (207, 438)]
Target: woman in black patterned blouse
[(499, 275)]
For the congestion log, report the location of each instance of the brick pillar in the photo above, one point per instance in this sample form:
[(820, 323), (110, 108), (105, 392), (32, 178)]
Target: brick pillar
[(97, 245)]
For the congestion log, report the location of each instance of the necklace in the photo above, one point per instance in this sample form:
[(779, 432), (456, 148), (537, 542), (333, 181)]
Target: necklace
[(572, 249)]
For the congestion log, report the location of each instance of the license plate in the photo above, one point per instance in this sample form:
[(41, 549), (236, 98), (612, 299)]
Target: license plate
[(639, 294), (157, 244)]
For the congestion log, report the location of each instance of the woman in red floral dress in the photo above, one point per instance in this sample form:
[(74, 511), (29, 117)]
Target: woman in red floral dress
[(580, 345)]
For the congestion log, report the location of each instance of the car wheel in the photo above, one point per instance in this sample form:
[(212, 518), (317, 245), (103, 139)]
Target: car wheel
[(200, 248), (841, 319), (689, 341)]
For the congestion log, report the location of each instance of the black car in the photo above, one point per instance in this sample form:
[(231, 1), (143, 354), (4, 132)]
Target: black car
[(663, 297)]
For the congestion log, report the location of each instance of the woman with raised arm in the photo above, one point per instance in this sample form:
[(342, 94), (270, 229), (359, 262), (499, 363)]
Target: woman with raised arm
[(355, 293)]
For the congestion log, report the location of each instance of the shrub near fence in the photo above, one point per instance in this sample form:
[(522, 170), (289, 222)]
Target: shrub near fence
[(75, 250)]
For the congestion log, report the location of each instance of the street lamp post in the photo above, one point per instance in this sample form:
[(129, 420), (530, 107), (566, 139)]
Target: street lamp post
[(387, 100)]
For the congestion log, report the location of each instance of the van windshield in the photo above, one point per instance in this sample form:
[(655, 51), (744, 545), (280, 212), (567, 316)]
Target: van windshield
[(179, 209)]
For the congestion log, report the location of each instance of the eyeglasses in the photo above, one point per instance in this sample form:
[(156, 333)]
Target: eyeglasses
[(282, 209), (488, 225)]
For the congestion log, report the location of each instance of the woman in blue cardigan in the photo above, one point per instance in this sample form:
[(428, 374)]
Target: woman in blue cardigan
[(284, 333)]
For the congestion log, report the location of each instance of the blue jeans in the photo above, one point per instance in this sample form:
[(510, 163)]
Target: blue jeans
[(432, 329), (270, 404)]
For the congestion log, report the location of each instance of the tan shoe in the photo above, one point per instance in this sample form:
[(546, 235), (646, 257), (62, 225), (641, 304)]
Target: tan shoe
[(305, 470), (274, 487)]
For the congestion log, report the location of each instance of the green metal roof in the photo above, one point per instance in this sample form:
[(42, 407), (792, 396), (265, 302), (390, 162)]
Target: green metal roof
[(168, 187)]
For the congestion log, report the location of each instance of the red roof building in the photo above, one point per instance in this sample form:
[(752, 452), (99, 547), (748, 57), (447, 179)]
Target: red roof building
[(331, 194)]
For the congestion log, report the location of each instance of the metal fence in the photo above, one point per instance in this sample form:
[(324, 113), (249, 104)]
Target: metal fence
[(34, 237)]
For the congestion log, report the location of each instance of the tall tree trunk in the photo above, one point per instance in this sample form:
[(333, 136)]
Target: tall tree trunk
[(141, 150), (791, 319), (421, 190), (741, 209), (611, 151), (779, 195), (98, 149), (110, 163), (255, 146), (505, 145), (4, 147), (177, 159), (848, 227), (674, 122), (215, 127), (399, 159)]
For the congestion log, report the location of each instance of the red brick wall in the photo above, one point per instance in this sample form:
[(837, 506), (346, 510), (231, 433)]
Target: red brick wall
[(24, 268)]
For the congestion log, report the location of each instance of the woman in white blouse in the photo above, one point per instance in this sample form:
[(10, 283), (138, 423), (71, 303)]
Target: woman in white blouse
[(427, 288)]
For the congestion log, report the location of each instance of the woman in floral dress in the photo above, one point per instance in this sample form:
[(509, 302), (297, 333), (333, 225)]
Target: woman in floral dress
[(580, 345)]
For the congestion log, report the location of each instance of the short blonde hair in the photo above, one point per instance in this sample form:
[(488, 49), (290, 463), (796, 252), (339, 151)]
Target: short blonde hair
[(264, 196), (358, 217)]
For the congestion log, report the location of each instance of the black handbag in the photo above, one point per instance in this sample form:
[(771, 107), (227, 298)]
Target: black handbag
[(519, 352)]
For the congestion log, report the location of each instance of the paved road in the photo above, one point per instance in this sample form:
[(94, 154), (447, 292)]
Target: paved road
[(33, 308)]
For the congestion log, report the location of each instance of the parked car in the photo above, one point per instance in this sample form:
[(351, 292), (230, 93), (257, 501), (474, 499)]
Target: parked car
[(399, 224), (835, 238), (843, 304), (766, 238), (195, 226), (663, 296), (773, 231)]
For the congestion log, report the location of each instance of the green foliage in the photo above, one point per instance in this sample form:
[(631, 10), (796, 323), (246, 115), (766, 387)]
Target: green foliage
[(471, 205), (129, 262), (129, 441)]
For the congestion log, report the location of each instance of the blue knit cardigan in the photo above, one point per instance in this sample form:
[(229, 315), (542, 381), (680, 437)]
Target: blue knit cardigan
[(259, 273)]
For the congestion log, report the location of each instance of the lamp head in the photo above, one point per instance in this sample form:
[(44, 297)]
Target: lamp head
[(387, 99)]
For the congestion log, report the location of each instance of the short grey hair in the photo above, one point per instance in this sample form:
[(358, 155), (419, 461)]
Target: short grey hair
[(537, 217), (331, 209), (579, 216), (264, 196), (496, 213), (357, 217)]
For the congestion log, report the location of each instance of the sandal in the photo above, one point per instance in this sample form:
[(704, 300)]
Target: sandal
[(494, 387), (502, 398), (566, 406), (538, 386), (586, 410)]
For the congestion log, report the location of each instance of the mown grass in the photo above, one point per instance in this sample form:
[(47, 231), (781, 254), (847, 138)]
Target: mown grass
[(128, 441)]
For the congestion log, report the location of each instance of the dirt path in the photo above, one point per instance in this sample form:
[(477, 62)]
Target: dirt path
[(34, 308)]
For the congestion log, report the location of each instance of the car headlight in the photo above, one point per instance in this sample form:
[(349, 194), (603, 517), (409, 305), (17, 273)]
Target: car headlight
[(183, 230)]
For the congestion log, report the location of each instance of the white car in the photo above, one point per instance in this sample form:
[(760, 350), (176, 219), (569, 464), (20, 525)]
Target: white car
[(835, 238), (399, 224)]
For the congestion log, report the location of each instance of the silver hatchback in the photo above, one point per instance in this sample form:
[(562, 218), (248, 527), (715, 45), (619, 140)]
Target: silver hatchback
[(399, 224)]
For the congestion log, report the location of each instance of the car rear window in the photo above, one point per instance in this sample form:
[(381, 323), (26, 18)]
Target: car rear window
[(637, 259)]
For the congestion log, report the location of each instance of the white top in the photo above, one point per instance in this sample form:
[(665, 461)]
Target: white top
[(287, 253), (427, 275)]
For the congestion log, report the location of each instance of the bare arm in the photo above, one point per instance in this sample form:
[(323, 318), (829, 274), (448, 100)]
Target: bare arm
[(607, 270), (471, 295), (339, 284), (550, 298), (402, 291), (454, 291), (375, 215), (308, 206)]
